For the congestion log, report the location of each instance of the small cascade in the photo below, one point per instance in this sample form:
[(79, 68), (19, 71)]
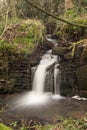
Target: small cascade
[(47, 75), (45, 82), (39, 79), (56, 80), (42, 72)]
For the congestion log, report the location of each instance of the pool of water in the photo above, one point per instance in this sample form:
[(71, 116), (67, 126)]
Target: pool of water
[(47, 111)]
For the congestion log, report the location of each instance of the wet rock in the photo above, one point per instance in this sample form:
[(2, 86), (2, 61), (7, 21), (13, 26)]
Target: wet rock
[(82, 77), (84, 56), (83, 94), (68, 56), (61, 51)]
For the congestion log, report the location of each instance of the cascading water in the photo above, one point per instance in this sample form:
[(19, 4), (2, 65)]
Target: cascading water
[(39, 80), (46, 82), (56, 80), (47, 75), (42, 77), (48, 60)]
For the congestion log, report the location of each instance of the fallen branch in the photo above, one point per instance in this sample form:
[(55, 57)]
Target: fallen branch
[(54, 16)]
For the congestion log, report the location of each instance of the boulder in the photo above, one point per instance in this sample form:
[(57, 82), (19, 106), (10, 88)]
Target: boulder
[(61, 51), (82, 77)]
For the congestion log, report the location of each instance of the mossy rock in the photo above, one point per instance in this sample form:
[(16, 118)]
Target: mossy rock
[(3, 127), (61, 51), (72, 33), (82, 77), (68, 56)]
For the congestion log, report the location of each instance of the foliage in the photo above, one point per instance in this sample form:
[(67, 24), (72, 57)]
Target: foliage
[(76, 44), (67, 124), (62, 124), (22, 37), (10, 22), (31, 12), (72, 33), (19, 40)]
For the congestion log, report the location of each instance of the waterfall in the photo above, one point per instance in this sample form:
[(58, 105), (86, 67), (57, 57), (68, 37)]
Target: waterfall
[(45, 82), (57, 79), (39, 79), (43, 75)]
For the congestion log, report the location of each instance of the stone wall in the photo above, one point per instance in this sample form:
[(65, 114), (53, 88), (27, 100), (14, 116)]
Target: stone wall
[(21, 71), (16, 77)]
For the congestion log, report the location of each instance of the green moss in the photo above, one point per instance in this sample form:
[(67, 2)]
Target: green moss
[(23, 40), (60, 50), (3, 127), (76, 44), (72, 33), (22, 37), (18, 42)]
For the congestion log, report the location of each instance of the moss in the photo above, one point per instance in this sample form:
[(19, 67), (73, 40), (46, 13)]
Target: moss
[(22, 37), (18, 42), (60, 50), (76, 44), (3, 127), (72, 33)]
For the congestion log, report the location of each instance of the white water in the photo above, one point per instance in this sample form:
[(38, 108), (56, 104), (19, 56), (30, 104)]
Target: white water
[(46, 75), (40, 75), (39, 81), (56, 83)]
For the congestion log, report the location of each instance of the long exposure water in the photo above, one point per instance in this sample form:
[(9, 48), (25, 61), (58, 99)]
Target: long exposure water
[(42, 104)]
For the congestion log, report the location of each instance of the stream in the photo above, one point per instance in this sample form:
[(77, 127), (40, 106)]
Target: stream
[(44, 102)]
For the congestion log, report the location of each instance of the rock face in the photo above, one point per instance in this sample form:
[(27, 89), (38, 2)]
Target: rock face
[(82, 77), (19, 74), (68, 56), (18, 52)]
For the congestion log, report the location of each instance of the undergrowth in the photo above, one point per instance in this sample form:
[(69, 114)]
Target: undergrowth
[(18, 42), (62, 124)]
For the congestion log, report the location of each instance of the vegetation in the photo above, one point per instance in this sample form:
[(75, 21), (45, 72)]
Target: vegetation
[(62, 124), (23, 24), (18, 41), (3, 127)]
